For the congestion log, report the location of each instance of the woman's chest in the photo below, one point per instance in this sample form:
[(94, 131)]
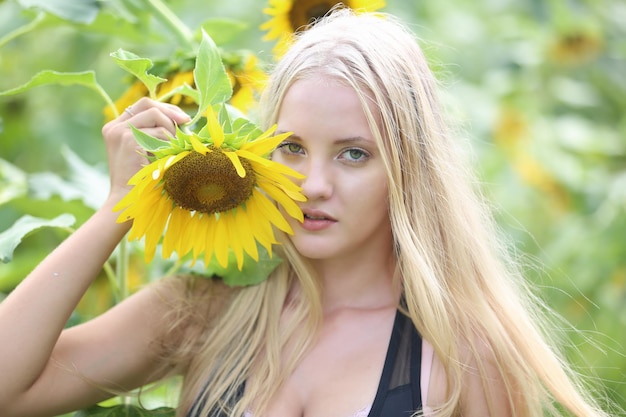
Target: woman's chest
[(340, 374)]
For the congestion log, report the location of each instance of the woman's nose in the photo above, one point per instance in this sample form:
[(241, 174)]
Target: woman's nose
[(318, 183)]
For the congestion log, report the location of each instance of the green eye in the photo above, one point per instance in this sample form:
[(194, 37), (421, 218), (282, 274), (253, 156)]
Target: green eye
[(290, 148), (355, 155), (294, 147)]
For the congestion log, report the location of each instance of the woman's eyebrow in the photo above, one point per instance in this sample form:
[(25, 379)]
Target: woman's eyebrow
[(352, 140), (341, 141)]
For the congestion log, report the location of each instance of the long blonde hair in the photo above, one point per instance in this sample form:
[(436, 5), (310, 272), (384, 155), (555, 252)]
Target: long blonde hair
[(462, 292)]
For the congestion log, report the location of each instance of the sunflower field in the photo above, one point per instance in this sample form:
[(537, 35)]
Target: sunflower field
[(537, 89)]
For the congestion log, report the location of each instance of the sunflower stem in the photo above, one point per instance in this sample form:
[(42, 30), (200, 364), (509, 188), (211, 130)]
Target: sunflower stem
[(177, 265), (111, 276), (122, 270), (33, 24), (172, 22)]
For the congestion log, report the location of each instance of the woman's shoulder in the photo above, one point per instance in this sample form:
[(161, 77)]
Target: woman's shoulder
[(483, 391)]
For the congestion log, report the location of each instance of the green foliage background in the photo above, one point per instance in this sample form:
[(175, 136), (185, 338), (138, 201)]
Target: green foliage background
[(538, 88)]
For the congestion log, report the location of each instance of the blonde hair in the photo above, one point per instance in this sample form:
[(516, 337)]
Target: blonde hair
[(462, 292)]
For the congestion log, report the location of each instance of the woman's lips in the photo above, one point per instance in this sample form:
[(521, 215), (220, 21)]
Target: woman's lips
[(315, 220)]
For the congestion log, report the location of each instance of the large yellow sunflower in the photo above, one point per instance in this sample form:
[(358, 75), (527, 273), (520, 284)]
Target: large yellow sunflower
[(290, 16), (211, 192)]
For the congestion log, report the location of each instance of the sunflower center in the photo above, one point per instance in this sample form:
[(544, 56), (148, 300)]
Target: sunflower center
[(304, 11), (208, 183)]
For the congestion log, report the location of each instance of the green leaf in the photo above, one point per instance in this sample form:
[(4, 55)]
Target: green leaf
[(86, 183), (138, 67), (85, 78), (125, 410), (13, 182), (223, 30), (146, 141), (11, 238), (83, 11), (20, 266), (185, 90), (210, 76), (252, 272)]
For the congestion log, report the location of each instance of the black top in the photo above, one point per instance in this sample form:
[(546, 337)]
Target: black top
[(399, 393)]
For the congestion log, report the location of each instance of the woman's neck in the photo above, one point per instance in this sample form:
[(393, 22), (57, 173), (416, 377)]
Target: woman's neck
[(363, 282)]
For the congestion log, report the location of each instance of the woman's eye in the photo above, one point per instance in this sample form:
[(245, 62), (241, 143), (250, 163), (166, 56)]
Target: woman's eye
[(290, 148), (355, 155)]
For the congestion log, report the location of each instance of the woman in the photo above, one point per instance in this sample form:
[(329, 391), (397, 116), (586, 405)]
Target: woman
[(394, 297)]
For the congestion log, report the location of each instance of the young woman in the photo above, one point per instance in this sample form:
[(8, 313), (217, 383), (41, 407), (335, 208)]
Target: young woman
[(394, 297)]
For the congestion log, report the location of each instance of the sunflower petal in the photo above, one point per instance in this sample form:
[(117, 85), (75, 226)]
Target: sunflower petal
[(221, 237), (281, 198), (198, 146), (265, 146), (241, 171), (271, 212), (214, 127), (235, 241), (242, 228)]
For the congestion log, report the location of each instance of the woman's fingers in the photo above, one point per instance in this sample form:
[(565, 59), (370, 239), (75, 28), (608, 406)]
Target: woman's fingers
[(147, 112), (125, 156)]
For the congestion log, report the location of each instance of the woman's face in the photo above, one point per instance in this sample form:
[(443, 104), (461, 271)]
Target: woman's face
[(346, 212)]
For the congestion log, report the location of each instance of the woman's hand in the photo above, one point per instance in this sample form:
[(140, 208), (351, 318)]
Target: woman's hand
[(125, 156)]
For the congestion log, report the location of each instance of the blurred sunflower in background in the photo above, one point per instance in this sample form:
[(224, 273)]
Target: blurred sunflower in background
[(291, 16), (246, 76), (576, 46), (247, 79), (209, 193)]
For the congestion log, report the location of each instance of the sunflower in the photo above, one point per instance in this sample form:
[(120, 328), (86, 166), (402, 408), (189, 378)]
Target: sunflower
[(211, 192), (245, 75), (290, 16), (138, 90), (247, 79), (576, 46)]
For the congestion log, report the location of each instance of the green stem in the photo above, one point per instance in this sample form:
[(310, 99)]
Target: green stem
[(122, 269), (110, 273), (172, 21), (22, 29)]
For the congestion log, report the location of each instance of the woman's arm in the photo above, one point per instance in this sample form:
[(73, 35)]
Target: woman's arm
[(45, 370)]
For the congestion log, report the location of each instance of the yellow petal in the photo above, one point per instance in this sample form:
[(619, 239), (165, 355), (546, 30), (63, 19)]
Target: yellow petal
[(275, 166), (213, 125), (281, 198), (265, 146), (221, 242), (241, 171), (242, 228), (210, 240), (198, 146), (234, 242), (271, 212), (175, 227)]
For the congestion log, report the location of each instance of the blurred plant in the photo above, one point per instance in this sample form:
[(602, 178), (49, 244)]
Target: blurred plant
[(291, 16), (201, 77), (541, 82)]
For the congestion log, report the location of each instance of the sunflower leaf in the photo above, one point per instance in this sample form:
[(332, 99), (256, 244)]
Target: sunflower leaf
[(25, 225), (223, 30), (83, 12), (13, 182), (146, 141), (210, 75), (85, 78), (253, 272), (185, 90), (125, 410), (138, 67)]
